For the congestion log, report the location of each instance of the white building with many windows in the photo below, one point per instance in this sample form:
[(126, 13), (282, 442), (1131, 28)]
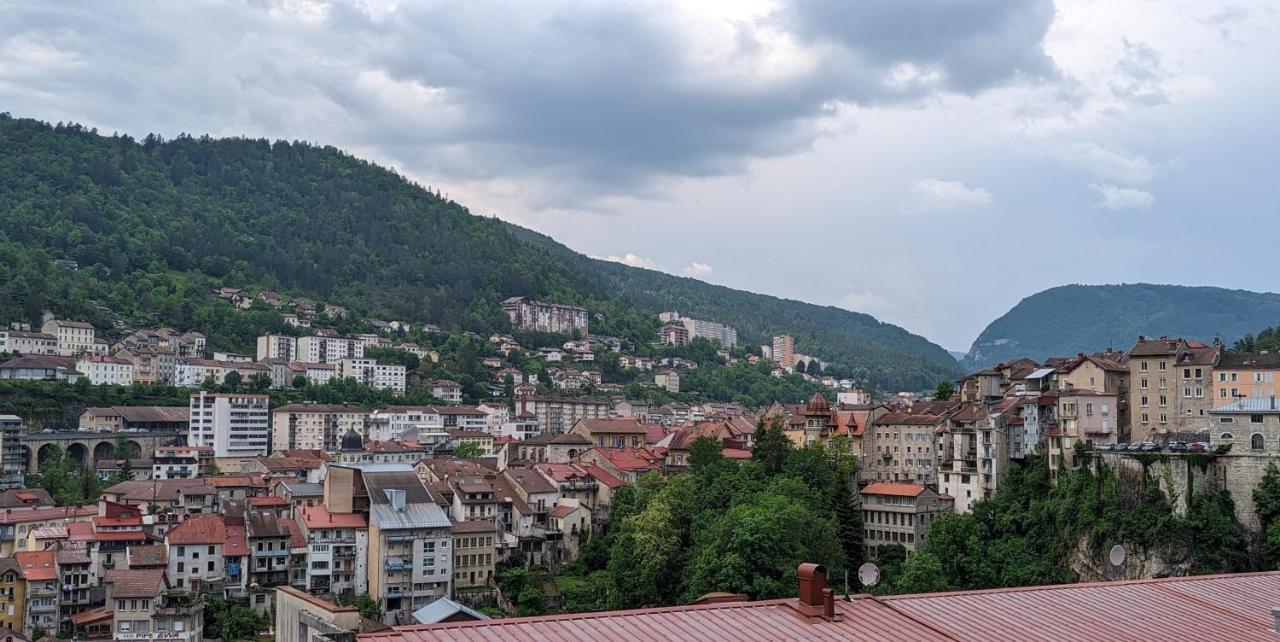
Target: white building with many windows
[(233, 424), (105, 370)]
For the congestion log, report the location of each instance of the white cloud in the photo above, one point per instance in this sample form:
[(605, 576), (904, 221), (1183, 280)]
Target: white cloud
[(634, 260), (1117, 198), (1111, 163), (697, 270), (937, 195)]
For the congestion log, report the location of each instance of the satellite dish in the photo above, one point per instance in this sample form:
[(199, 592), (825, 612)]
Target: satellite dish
[(1117, 555), (869, 575)]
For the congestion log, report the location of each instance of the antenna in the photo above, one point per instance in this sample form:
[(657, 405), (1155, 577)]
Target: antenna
[(1117, 555), (868, 575)]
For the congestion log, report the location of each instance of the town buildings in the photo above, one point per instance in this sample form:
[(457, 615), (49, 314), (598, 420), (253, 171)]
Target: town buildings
[(74, 337), (1245, 375), (726, 335), (315, 426), (537, 316), (27, 342), (105, 370), (557, 414), (233, 424), (896, 513), (1170, 384), (784, 351), (373, 374)]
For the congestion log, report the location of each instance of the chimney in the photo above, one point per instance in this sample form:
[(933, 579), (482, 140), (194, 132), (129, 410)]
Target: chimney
[(1275, 613), (828, 604), (396, 497), (813, 578)]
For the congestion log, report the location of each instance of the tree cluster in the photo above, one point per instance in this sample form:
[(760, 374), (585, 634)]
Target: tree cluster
[(724, 526)]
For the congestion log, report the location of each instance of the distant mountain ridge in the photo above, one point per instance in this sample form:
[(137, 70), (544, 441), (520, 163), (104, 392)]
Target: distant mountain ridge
[(1068, 319), (150, 225)]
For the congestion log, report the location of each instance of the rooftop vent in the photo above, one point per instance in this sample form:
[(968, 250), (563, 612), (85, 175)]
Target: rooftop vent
[(396, 497), (815, 599)]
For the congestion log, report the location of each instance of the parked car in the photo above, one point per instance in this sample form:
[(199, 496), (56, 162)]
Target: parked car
[(1148, 447), (1197, 447), (1177, 447), (1134, 447), (1206, 445), (1103, 447)]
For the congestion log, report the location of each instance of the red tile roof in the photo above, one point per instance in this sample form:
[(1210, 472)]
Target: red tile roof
[(268, 501), (613, 426), (735, 453), (296, 538), (37, 565), (631, 459), (894, 489), (605, 477), (45, 514), (198, 529)]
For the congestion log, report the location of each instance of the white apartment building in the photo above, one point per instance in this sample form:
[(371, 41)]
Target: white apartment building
[(725, 334), (193, 373), (105, 370), (233, 424), (177, 462), (74, 337), (373, 374), (277, 346), (526, 314), (328, 349), (23, 342)]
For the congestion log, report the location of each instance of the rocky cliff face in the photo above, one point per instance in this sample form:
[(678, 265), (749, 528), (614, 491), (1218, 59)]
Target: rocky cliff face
[(1093, 566)]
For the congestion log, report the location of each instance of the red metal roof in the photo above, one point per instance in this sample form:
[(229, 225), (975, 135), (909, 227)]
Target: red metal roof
[(1217, 607), (1208, 608), (44, 514), (199, 529), (862, 619)]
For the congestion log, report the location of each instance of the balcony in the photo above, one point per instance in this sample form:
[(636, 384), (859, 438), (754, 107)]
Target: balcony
[(43, 608), (400, 538), (397, 564)]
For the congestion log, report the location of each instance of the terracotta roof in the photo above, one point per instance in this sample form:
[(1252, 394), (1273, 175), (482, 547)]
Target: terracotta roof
[(605, 477), (735, 453), (530, 480), (45, 514), (893, 489), (268, 501), (296, 538), (612, 425), (37, 565), (99, 614), (235, 545), (326, 408), (198, 529), (151, 555), (285, 464), (907, 420), (135, 582), (631, 459), (562, 511), (473, 526), (25, 497), (320, 517)]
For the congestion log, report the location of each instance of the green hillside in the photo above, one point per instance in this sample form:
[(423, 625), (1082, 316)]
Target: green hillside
[(1082, 318), (151, 225)]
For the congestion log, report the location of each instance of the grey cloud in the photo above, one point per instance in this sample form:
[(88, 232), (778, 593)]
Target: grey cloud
[(976, 44), (595, 98)]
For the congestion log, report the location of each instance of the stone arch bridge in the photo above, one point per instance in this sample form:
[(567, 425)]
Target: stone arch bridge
[(89, 448)]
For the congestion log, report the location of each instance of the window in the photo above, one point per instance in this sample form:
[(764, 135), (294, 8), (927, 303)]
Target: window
[(1255, 419), (1226, 436), (1226, 420), (1162, 366), (1255, 442), (1164, 383), (1222, 377), (1143, 366), (1186, 373), (1142, 383), (1144, 400)]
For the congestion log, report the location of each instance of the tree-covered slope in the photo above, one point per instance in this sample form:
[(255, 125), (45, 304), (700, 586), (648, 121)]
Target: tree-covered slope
[(152, 224), (1065, 320)]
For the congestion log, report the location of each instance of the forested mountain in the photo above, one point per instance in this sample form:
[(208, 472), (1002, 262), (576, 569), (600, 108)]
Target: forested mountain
[(1082, 318), (151, 225)]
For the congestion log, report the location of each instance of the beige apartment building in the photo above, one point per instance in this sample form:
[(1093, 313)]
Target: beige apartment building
[(1170, 386), (74, 337), (302, 426), (903, 447), (898, 513), (1245, 375)]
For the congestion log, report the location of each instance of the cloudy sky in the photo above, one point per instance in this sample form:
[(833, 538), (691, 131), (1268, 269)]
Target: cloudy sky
[(930, 162)]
